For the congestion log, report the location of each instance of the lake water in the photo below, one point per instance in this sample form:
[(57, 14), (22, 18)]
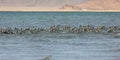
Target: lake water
[(59, 46)]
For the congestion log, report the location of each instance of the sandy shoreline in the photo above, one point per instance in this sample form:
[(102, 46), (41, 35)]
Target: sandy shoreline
[(35, 9)]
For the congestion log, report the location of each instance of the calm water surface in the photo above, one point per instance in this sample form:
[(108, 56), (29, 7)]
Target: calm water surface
[(59, 46)]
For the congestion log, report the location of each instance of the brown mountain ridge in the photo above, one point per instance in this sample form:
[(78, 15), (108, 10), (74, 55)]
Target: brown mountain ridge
[(95, 5)]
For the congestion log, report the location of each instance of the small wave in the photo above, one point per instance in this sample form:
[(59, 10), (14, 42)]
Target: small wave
[(117, 35)]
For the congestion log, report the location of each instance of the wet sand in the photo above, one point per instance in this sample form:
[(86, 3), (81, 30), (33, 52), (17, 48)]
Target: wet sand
[(34, 9)]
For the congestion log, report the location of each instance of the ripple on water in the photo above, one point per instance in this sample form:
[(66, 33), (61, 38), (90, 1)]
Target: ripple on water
[(62, 46)]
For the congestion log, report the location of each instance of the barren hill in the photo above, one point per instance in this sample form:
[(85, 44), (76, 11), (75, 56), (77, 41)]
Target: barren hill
[(95, 5), (36, 3)]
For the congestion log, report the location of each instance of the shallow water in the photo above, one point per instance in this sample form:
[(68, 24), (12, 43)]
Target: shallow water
[(62, 46)]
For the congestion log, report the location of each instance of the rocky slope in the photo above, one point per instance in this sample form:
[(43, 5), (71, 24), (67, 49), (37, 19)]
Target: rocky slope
[(95, 5)]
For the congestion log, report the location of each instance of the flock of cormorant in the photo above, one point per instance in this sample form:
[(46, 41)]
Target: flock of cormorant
[(61, 29)]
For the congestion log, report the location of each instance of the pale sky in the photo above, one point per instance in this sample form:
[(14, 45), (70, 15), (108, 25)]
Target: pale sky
[(37, 3)]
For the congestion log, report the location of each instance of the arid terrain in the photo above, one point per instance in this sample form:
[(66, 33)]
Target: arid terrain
[(95, 5), (60, 5)]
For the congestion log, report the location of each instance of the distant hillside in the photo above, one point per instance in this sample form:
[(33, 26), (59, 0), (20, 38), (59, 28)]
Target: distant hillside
[(36, 3), (95, 5)]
